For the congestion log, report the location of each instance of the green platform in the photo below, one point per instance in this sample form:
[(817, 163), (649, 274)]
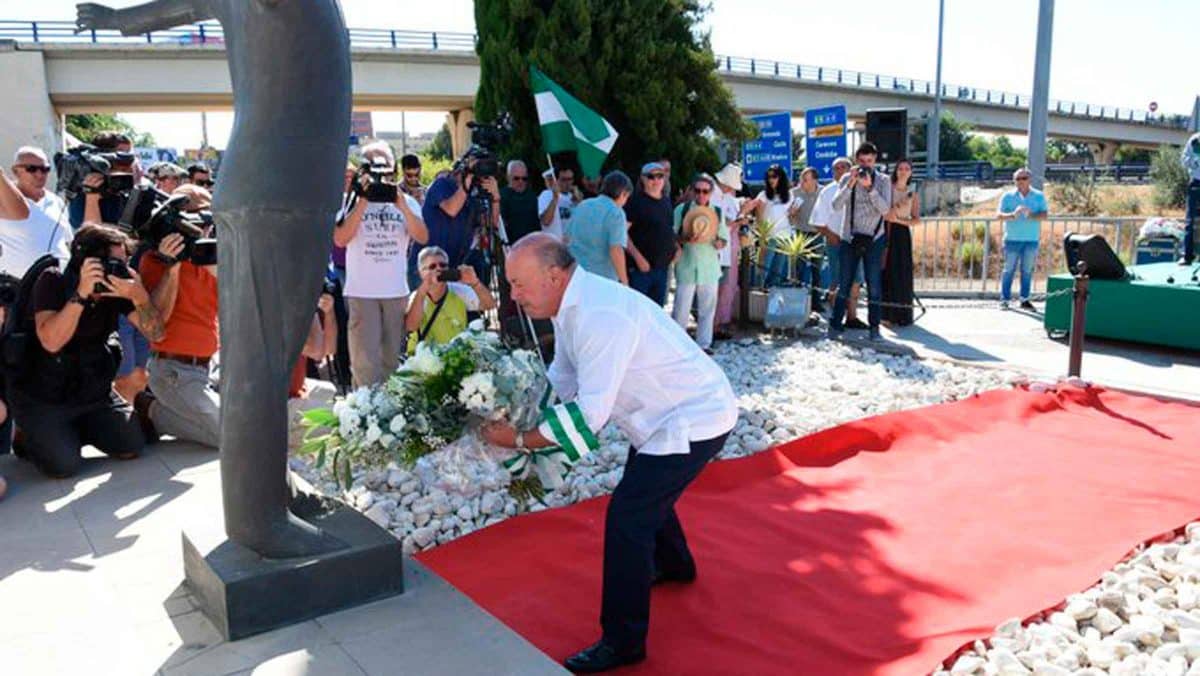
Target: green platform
[(1147, 309)]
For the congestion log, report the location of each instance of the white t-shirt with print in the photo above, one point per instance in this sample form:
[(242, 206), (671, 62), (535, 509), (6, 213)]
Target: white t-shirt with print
[(377, 257), (23, 242), (565, 207)]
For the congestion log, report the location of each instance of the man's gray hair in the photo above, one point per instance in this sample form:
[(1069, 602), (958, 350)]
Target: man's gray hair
[(430, 252), (548, 250), (1022, 170), (513, 164), (30, 150), (842, 160), (379, 147)]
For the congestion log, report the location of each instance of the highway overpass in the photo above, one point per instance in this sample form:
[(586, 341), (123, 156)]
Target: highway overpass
[(48, 72)]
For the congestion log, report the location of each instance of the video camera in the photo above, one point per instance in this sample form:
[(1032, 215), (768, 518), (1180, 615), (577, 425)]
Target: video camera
[(74, 165), (382, 187), (151, 214), (482, 161)]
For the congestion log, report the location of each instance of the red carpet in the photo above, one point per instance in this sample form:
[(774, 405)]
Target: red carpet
[(876, 547)]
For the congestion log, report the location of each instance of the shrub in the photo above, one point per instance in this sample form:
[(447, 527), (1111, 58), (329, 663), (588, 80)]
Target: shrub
[(1123, 205), (1170, 179), (1077, 196)]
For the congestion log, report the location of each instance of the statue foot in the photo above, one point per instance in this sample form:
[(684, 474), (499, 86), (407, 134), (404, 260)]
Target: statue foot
[(292, 538)]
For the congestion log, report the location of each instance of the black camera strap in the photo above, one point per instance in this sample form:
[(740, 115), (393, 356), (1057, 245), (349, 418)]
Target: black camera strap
[(433, 317)]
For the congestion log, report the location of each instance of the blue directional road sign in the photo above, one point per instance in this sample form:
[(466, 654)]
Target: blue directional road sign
[(824, 138), (773, 146)]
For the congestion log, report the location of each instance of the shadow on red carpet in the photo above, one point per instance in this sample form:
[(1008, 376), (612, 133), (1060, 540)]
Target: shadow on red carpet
[(877, 547)]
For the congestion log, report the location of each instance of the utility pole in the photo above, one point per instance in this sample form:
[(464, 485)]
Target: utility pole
[(1040, 102), (403, 135), (934, 132), (203, 130)]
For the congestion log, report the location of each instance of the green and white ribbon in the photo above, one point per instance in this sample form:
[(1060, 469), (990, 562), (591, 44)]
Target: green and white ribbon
[(575, 439)]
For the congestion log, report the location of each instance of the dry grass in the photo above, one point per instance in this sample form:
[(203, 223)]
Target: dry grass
[(1115, 200)]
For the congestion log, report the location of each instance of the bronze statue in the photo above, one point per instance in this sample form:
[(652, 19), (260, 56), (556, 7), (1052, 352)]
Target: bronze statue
[(274, 207)]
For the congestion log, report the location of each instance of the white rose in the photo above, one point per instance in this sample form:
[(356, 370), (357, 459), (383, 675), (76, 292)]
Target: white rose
[(397, 424), (373, 434), (424, 361)]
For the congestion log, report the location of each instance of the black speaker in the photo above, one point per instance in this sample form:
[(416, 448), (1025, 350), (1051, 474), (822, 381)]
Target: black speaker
[(887, 128), (1095, 253)]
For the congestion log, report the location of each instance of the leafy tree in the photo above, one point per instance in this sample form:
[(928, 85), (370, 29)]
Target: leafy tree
[(1130, 155), (1059, 151), (86, 126), (442, 147), (954, 139), (651, 77), (1170, 179), (999, 151)]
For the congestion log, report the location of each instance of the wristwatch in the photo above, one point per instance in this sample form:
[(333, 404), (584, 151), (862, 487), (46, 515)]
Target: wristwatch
[(520, 441)]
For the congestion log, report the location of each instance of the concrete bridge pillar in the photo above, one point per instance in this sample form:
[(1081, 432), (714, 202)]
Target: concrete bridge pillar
[(29, 117), (460, 134), (1104, 152)]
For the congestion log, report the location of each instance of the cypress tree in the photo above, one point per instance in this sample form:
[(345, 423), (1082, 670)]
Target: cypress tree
[(642, 64)]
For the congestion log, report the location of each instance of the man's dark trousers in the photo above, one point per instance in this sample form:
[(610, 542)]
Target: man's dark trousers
[(1192, 215), (652, 284), (642, 536)]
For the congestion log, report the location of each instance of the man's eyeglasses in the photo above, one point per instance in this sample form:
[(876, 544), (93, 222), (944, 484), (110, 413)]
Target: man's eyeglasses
[(656, 177), (35, 168), (514, 179), (701, 191), (205, 184)]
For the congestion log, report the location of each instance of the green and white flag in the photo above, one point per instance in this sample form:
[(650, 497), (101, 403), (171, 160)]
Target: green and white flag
[(568, 125)]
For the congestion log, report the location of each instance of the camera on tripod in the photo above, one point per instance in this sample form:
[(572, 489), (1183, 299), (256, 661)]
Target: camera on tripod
[(74, 166), (151, 214), (382, 186), (481, 159)]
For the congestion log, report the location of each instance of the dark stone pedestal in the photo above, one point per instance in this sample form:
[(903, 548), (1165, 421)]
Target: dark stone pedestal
[(244, 594)]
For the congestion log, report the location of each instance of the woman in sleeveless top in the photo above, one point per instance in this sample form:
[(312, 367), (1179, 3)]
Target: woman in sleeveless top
[(898, 261)]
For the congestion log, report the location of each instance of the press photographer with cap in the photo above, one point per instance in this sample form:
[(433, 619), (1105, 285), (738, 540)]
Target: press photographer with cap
[(618, 356), (184, 403), (61, 392)]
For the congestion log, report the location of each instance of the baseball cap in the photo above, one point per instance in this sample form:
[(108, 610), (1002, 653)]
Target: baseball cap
[(651, 167)]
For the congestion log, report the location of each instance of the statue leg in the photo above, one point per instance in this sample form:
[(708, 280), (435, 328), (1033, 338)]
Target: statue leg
[(271, 266)]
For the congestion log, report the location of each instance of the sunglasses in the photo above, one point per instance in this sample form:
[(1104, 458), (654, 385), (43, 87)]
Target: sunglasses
[(437, 266), (35, 168), (518, 178), (699, 191), (656, 177), (205, 184), (1022, 178)]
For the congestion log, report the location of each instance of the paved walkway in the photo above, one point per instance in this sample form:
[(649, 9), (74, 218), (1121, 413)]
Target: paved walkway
[(983, 334), (90, 583)]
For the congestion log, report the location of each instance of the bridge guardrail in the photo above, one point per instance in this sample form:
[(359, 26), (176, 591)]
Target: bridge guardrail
[(209, 32)]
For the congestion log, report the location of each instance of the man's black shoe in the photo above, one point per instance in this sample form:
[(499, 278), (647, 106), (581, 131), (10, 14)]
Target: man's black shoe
[(1026, 305), (857, 324), (141, 410), (602, 657), (661, 577)]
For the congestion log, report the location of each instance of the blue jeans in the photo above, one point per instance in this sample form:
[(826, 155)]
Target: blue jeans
[(873, 268), (1026, 254), (652, 284), (135, 349), (775, 269), (1192, 214)]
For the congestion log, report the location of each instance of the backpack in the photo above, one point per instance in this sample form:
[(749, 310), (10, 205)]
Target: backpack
[(18, 327)]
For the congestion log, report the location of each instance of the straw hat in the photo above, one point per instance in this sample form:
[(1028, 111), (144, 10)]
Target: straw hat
[(700, 225)]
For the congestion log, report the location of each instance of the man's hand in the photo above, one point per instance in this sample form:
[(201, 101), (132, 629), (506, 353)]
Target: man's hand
[(865, 181), (171, 246), (325, 303), (489, 184), (468, 275), (129, 289), (551, 183), (91, 273), (499, 434), (640, 262), (93, 182), (93, 16)]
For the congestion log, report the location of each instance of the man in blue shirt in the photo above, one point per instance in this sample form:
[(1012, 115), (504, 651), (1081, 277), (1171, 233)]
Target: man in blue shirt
[(95, 204), (596, 234), (447, 213), (1022, 210)]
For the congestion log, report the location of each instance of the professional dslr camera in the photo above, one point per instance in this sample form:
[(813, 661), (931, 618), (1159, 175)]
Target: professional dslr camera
[(382, 187), (113, 267), (74, 165), (151, 214)]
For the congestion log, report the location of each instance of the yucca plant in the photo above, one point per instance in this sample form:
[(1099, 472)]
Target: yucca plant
[(796, 246)]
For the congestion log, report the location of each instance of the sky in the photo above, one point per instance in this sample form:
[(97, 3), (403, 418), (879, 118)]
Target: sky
[(1108, 52)]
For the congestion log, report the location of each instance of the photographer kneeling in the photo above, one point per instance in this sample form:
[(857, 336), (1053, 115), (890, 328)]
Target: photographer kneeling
[(437, 310), (185, 403), (63, 397)]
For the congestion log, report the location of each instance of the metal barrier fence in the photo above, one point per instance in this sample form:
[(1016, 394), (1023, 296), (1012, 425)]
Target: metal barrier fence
[(209, 32), (966, 255)]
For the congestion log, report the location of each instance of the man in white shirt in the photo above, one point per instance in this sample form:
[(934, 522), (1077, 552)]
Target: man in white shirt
[(557, 201), (376, 236), (32, 222), (829, 221), (618, 356)]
